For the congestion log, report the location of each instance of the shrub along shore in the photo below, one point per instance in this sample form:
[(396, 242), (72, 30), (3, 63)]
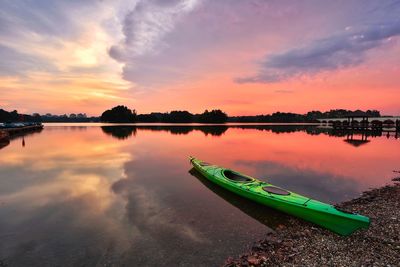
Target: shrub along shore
[(300, 243)]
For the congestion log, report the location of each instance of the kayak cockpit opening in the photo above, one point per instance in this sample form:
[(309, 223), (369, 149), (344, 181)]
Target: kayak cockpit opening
[(276, 190), (236, 176)]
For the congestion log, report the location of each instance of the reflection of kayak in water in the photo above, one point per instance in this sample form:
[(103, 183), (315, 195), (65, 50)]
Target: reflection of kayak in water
[(269, 217), (325, 215)]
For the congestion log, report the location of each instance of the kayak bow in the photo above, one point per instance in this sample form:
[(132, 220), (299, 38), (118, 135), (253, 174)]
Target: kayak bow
[(322, 214)]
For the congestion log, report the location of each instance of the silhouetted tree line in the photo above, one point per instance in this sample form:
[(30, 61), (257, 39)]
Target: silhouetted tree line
[(311, 116), (124, 114), (177, 116), (275, 117), (14, 116), (66, 118), (79, 117)]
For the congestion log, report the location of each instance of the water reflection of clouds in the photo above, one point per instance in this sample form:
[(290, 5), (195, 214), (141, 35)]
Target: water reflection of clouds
[(62, 154), (65, 231), (47, 166), (146, 211), (147, 207), (151, 210), (321, 186), (56, 199)]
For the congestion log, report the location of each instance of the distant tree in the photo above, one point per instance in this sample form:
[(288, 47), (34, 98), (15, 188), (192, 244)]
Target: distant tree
[(373, 113), (119, 114), (148, 118), (178, 116), (314, 115), (36, 117), (213, 116)]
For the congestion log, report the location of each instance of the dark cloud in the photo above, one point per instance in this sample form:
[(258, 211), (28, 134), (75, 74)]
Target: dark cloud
[(339, 51)]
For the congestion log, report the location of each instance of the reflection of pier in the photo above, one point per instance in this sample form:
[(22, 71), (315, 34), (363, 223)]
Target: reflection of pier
[(357, 142), (358, 137)]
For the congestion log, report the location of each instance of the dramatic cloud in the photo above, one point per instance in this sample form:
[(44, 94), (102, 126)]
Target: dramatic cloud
[(48, 47), (146, 25), (339, 51)]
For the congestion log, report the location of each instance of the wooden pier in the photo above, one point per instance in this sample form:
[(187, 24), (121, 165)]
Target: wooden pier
[(359, 124), (7, 133), (17, 130), (363, 122)]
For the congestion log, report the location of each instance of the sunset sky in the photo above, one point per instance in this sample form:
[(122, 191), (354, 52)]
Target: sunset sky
[(244, 57)]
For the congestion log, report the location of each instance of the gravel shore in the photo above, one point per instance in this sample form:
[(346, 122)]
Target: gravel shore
[(302, 244)]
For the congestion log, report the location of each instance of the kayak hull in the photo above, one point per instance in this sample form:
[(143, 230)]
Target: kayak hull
[(322, 214)]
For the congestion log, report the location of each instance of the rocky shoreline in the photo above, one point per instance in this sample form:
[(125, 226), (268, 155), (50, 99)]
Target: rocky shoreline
[(302, 244)]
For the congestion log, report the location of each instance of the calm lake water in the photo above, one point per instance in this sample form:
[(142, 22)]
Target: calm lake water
[(102, 196)]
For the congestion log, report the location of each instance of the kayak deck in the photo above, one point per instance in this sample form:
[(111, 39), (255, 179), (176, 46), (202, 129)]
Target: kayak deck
[(320, 213)]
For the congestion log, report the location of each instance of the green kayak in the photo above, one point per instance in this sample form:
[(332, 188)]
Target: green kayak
[(325, 215)]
